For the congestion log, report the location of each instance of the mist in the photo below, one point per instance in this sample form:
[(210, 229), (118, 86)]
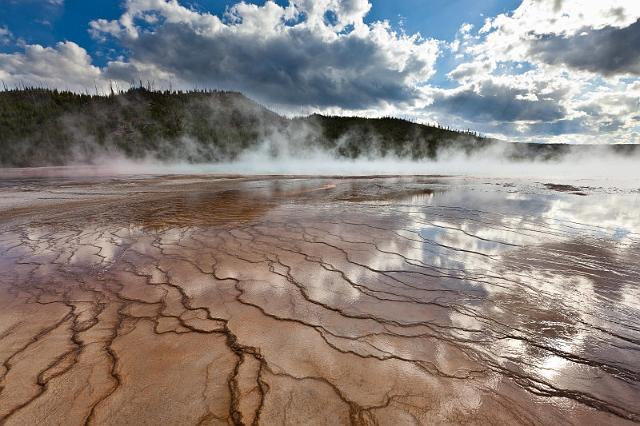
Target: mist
[(598, 165), (146, 132)]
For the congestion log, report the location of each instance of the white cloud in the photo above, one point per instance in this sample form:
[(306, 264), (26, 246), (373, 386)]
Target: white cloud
[(510, 37), (66, 65), (466, 28), (5, 35), (549, 71)]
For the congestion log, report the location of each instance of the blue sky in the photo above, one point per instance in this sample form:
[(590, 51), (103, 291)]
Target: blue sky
[(535, 70), (42, 22)]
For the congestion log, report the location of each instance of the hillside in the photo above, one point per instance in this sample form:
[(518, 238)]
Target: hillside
[(41, 127), (49, 127)]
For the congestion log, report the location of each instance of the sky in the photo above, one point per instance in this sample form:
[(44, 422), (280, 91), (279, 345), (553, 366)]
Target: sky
[(552, 71)]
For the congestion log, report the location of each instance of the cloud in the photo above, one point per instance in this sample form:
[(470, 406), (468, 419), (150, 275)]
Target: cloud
[(555, 128), (5, 35), (505, 107), (66, 65), (607, 51), (510, 37), (294, 55), (550, 70), (489, 101), (468, 70), (55, 3)]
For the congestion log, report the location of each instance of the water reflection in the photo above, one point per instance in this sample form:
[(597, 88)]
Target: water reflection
[(568, 303), (462, 292)]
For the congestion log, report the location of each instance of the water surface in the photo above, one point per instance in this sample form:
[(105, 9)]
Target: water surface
[(284, 300)]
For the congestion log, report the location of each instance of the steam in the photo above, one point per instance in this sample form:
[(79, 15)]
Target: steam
[(272, 157), (285, 146), (283, 154)]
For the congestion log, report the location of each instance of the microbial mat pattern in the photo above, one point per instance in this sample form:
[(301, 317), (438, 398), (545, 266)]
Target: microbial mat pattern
[(278, 300)]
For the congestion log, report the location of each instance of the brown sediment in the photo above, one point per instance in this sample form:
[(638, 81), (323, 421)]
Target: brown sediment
[(277, 300), (565, 188)]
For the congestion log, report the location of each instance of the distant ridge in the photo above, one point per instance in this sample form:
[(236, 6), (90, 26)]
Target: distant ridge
[(42, 127)]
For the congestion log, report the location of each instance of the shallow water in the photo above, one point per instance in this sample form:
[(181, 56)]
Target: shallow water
[(283, 300)]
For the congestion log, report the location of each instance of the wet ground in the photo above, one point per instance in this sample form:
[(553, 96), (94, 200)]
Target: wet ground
[(279, 300)]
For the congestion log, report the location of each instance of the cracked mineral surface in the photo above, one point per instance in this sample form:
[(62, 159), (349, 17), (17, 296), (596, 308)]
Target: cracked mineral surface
[(183, 300)]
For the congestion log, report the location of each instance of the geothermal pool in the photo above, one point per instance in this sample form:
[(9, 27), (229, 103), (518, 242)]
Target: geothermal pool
[(292, 300)]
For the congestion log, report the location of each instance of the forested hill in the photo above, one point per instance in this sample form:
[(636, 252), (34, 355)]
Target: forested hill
[(41, 127), (49, 127)]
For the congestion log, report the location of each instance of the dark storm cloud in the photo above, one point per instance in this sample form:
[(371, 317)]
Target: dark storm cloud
[(560, 127), (608, 51), (494, 102), (557, 5), (294, 68)]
